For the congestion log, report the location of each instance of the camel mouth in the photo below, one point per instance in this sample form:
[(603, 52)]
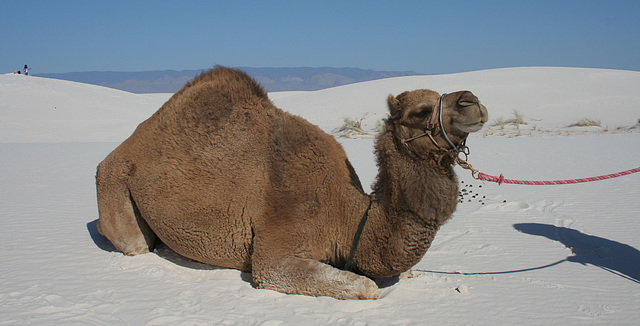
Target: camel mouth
[(470, 127)]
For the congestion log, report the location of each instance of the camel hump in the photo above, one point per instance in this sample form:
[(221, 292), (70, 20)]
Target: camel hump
[(211, 100), (234, 83)]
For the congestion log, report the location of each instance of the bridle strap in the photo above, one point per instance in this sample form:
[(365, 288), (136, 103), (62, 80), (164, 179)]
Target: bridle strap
[(444, 133), (428, 126)]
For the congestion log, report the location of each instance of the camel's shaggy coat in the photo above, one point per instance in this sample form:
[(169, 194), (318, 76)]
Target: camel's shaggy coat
[(222, 176)]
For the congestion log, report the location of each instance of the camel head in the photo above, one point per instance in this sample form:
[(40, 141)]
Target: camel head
[(417, 120)]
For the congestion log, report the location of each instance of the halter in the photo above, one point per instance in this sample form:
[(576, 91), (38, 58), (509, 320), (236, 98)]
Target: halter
[(431, 129)]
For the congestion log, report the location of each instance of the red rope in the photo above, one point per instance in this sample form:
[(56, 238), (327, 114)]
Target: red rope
[(500, 180)]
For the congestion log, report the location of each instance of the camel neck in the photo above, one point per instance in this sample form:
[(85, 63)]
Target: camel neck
[(412, 199)]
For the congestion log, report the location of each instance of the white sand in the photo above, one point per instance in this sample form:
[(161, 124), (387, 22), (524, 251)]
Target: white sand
[(563, 255)]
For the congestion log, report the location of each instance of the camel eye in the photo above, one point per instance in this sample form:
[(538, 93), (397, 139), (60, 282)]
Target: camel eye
[(422, 114)]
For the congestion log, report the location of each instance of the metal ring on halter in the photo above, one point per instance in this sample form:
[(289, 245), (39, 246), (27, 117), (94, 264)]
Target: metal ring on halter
[(464, 149), (465, 152)]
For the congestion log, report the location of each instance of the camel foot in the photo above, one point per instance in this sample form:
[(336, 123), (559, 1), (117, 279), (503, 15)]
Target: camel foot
[(407, 274)]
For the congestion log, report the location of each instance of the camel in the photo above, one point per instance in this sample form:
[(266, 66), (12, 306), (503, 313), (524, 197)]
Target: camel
[(222, 176)]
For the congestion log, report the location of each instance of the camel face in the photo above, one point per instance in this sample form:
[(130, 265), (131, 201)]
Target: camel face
[(462, 113)]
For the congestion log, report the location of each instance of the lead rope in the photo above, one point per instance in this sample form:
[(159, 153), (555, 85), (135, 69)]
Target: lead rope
[(501, 179)]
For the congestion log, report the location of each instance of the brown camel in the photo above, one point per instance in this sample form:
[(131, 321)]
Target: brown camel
[(222, 176)]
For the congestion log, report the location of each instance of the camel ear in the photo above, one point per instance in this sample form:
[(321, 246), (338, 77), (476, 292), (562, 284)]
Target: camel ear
[(394, 106)]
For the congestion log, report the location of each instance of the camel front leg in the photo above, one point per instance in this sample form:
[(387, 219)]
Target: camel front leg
[(295, 275)]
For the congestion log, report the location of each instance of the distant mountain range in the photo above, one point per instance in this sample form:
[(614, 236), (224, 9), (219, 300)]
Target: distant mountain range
[(272, 79)]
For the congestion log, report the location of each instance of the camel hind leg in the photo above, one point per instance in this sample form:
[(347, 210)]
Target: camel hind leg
[(120, 220)]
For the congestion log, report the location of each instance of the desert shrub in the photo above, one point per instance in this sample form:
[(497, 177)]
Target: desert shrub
[(585, 122), (518, 119), (351, 127)]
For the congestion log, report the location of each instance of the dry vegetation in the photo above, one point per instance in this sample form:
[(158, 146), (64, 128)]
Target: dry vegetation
[(518, 119), (586, 122)]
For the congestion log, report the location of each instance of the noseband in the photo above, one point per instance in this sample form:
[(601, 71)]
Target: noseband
[(431, 128)]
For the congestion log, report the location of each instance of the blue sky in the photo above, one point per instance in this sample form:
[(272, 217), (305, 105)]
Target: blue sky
[(421, 36)]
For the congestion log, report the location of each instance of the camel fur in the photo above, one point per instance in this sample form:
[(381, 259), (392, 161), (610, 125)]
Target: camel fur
[(222, 176)]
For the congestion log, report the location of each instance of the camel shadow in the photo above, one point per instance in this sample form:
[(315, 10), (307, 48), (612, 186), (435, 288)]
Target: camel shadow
[(160, 249), (614, 257), (100, 241)]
